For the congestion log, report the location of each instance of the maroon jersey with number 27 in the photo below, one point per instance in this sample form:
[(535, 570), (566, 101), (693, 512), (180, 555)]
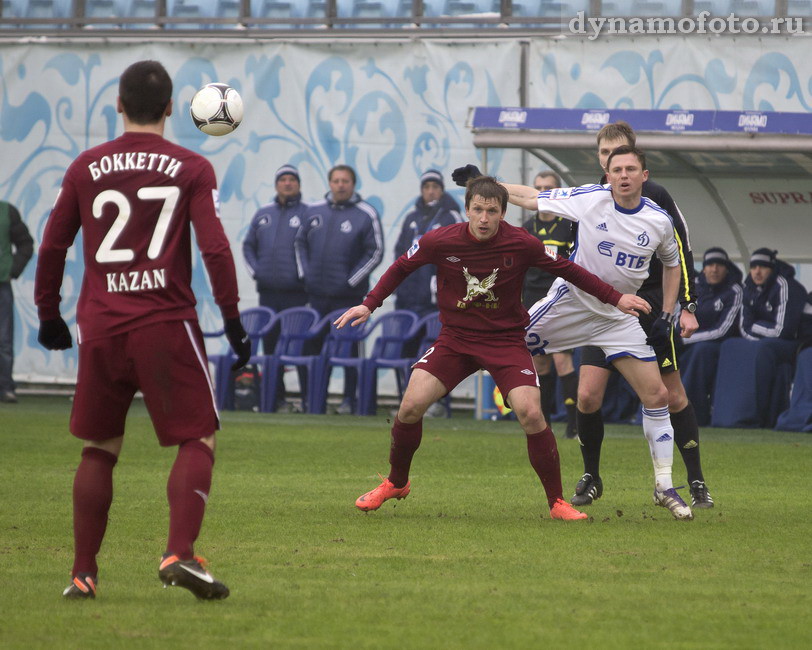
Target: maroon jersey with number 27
[(135, 199)]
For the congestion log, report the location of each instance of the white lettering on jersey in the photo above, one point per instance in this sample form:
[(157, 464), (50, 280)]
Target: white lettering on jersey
[(136, 280), (415, 247), (134, 161)]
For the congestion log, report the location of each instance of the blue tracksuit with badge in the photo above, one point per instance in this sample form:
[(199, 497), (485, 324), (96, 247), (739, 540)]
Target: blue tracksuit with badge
[(269, 249), (773, 310), (338, 246)]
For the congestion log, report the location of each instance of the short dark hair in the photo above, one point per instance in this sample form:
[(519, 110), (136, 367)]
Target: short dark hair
[(145, 89), (627, 149), (548, 172), (343, 168), (617, 130), (488, 188)]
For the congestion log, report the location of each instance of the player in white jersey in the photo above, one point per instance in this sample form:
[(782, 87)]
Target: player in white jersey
[(618, 233)]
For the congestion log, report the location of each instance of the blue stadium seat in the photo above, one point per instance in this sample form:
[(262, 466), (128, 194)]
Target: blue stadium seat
[(337, 351), (297, 326), (257, 322), (46, 9), (141, 9), (104, 9), (12, 9), (196, 11), (227, 9), (395, 331), (643, 8), (315, 9), (715, 7), (799, 7), (402, 8), (798, 417), (276, 9), (753, 7)]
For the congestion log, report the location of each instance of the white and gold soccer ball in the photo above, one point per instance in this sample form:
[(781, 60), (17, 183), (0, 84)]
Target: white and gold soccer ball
[(216, 109)]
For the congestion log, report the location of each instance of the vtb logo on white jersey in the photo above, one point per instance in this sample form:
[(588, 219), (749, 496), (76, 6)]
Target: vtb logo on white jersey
[(629, 260)]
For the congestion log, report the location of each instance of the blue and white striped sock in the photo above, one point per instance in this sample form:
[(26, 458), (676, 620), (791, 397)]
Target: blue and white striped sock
[(660, 435)]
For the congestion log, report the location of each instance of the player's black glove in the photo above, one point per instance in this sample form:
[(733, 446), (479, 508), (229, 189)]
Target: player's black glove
[(54, 334), (461, 175), (239, 341), (659, 336)]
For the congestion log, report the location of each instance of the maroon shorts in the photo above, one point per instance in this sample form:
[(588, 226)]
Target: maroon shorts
[(452, 358), (166, 362)]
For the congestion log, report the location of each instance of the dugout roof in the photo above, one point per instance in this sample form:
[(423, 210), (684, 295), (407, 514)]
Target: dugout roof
[(743, 179)]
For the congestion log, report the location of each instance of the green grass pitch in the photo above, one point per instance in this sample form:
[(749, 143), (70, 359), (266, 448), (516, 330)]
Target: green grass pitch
[(469, 560)]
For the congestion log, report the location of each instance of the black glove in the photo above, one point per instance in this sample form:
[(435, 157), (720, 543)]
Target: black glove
[(659, 336), (461, 175), (239, 341), (54, 334)]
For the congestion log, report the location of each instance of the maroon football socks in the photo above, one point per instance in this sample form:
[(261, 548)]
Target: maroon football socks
[(188, 491), (405, 441), (92, 496), (543, 453)]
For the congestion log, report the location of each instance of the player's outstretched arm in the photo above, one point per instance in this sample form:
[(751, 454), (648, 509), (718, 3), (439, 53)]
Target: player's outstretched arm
[(633, 305), (522, 195), (354, 316)]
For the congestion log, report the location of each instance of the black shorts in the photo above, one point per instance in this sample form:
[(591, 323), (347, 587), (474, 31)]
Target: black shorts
[(667, 358)]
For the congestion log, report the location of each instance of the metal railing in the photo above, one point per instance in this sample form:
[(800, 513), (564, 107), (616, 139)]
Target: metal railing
[(245, 20)]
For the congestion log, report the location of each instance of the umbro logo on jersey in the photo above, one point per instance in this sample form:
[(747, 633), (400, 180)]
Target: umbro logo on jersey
[(664, 438), (602, 226), (528, 372), (453, 259)]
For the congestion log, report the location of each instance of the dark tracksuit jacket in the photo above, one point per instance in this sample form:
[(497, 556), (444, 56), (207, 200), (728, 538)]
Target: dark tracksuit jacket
[(269, 246), (772, 310), (415, 292), (717, 307), (337, 247)]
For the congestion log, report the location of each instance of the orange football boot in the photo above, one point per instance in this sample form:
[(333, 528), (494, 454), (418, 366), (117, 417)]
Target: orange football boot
[(563, 510), (374, 499)]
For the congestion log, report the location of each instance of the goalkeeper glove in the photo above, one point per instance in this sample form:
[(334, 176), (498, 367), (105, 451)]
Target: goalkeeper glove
[(54, 334), (239, 341), (461, 175), (660, 334)]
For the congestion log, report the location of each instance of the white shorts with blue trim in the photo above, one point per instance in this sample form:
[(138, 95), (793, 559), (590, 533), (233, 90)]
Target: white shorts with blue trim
[(559, 322)]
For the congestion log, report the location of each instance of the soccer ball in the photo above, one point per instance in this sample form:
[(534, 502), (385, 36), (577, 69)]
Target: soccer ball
[(216, 109)]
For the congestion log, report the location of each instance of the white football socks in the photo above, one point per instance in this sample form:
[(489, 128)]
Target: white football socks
[(660, 435)]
